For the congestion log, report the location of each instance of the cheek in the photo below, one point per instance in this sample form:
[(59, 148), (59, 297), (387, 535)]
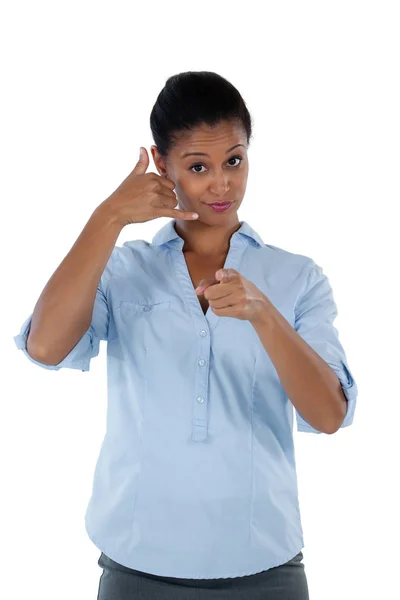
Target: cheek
[(191, 187)]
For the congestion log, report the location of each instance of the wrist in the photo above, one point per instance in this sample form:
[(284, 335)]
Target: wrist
[(106, 211), (265, 315)]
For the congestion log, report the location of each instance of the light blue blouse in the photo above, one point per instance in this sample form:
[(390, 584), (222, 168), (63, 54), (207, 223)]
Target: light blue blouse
[(196, 476)]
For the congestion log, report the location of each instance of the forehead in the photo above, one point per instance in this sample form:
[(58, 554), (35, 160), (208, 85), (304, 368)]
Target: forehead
[(204, 137)]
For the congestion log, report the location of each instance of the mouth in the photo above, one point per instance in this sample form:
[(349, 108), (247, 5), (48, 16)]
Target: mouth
[(220, 206)]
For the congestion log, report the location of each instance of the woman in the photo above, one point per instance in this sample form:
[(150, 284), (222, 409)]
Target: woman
[(212, 337)]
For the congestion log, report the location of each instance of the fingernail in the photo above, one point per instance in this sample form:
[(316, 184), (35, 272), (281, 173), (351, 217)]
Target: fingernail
[(195, 216)]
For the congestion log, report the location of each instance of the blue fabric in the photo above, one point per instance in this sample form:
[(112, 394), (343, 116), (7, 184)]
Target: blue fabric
[(196, 476)]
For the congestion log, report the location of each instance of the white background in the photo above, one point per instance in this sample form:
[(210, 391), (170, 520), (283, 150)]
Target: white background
[(321, 81)]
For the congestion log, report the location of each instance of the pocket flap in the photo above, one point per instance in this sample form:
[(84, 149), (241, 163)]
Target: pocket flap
[(143, 307)]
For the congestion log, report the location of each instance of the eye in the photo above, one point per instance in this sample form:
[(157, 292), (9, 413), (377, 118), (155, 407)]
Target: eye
[(239, 158)]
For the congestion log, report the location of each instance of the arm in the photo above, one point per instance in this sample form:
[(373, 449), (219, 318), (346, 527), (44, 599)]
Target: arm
[(64, 309), (310, 383)]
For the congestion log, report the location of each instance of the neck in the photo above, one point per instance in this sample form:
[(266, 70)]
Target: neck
[(206, 240)]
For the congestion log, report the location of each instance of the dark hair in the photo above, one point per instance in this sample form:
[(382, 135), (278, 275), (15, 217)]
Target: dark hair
[(195, 98)]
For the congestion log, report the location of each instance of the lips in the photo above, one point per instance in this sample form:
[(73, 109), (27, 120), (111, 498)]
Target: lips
[(219, 203), (220, 206)]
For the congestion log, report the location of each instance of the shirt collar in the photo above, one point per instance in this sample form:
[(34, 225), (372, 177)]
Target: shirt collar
[(168, 233)]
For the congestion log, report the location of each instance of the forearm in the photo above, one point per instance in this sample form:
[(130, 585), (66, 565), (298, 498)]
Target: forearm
[(309, 382), (64, 309)]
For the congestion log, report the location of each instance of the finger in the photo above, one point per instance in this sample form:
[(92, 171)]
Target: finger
[(167, 186), (229, 311), (166, 201), (214, 290), (169, 193), (218, 292), (224, 302), (163, 190), (204, 284), (175, 213), (167, 183), (143, 162)]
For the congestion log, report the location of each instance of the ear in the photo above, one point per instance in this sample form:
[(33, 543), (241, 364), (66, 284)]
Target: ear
[(158, 161)]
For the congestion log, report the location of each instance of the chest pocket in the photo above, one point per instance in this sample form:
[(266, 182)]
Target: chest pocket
[(138, 308), (145, 324)]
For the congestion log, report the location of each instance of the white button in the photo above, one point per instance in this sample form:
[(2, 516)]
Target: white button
[(202, 362), (200, 399), (203, 332)]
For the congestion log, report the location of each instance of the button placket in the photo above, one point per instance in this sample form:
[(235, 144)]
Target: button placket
[(200, 405), (210, 320)]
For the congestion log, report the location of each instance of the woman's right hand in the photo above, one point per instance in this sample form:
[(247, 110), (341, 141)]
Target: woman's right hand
[(145, 196)]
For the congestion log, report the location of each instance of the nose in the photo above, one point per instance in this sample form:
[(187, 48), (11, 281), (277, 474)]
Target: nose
[(220, 184)]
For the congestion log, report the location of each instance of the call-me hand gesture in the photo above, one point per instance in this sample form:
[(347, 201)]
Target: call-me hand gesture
[(145, 196)]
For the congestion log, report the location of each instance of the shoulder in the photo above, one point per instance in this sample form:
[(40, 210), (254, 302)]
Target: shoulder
[(135, 256), (283, 259), (129, 252)]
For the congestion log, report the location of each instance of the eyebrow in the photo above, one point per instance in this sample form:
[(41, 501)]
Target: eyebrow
[(204, 154)]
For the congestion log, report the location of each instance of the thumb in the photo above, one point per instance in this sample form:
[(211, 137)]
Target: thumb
[(143, 163), (226, 275)]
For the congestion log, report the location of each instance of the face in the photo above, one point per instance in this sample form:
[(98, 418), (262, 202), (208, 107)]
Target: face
[(215, 176)]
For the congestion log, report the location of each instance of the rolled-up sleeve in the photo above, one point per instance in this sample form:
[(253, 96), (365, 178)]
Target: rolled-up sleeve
[(89, 344), (315, 313)]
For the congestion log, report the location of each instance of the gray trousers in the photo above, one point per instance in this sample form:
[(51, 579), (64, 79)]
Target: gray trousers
[(285, 582)]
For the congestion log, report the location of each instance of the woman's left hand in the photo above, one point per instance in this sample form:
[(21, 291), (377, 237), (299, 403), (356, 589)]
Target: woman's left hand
[(231, 295)]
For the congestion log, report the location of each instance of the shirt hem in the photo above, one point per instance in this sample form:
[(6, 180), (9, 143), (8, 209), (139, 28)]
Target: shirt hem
[(200, 576)]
